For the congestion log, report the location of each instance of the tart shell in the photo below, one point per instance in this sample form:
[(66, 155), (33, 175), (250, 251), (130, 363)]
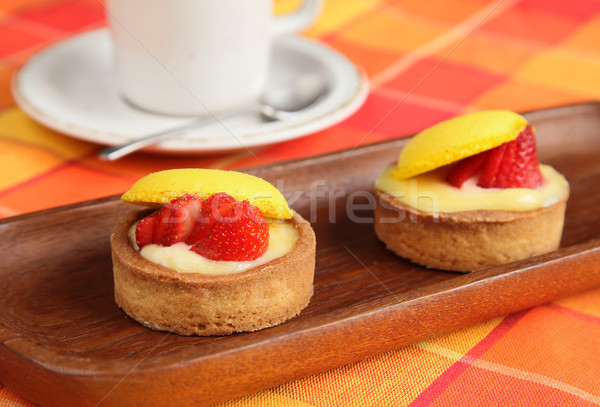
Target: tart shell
[(199, 304), (466, 241)]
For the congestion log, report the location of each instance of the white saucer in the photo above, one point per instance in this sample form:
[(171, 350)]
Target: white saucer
[(69, 87)]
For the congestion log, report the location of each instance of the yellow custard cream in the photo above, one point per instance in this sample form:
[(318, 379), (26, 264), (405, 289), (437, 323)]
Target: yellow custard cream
[(282, 239), (429, 192)]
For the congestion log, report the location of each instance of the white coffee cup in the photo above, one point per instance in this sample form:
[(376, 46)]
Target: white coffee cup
[(197, 57)]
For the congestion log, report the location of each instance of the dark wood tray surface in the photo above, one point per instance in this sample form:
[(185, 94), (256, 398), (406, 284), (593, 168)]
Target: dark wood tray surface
[(63, 341)]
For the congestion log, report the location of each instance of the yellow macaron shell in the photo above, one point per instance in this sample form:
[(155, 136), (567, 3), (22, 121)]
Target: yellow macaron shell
[(161, 187), (457, 138)]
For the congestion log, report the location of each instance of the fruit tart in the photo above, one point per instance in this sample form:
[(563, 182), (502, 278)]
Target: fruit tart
[(470, 193), (211, 252)]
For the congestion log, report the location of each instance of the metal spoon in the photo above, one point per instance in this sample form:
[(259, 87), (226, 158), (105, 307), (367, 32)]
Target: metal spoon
[(278, 104)]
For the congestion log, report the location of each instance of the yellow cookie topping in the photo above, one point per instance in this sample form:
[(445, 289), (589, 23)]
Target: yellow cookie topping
[(457, 138), (161, 187)]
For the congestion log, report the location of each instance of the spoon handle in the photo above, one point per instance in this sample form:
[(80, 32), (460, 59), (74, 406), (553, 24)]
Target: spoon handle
[(120, 150), (311, 88), (115, 152)]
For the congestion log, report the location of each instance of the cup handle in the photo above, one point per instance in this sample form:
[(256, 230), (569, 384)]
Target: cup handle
[(289, 23)]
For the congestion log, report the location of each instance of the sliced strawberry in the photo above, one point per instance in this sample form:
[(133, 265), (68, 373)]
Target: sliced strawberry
[(213, 209), (219, 228), (466, 168), (520, 167), (503, 173), (218, 207), (489, 170), (510, 165), (163, 221), (173, 223), (183, 215), (144, 231), (230, 230)]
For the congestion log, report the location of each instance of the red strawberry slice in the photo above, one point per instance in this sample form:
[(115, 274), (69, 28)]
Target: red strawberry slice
[(214, 208), (489, 170), (219, 207), (173, 223), (242, 241), (182, 217), (510, 165), (230, 230), (219, 228), (503, 172), (520, 166), (466, 168), (144, 231), (163, 221)]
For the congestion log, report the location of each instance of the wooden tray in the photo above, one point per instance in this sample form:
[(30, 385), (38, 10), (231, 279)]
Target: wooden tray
[(64, 342)]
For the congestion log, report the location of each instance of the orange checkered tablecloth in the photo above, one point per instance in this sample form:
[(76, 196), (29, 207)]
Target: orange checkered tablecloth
[(427, 61)]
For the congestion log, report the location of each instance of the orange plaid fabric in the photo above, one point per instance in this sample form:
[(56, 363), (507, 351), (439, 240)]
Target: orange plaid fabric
[(427, 61)]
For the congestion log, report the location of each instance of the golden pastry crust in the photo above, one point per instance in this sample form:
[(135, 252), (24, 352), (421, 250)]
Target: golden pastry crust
[(197, 304), (466, 241)]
